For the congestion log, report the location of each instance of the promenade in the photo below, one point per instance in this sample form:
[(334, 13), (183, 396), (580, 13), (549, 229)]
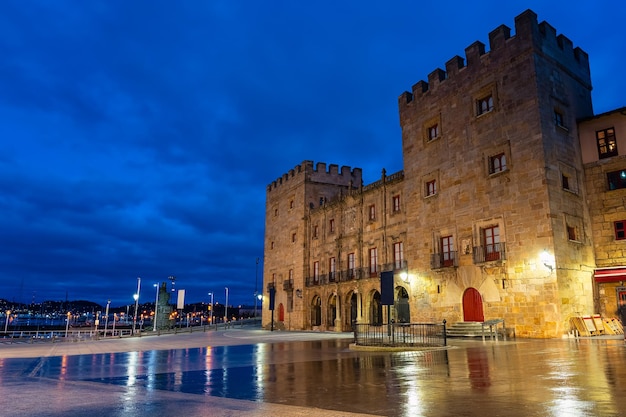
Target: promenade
[(252, 372)]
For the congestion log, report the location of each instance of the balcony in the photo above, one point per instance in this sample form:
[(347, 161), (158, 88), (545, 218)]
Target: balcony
[(288, 285), (311, 281), (444, 260), (271, 285), (489, 253), (396, 266)]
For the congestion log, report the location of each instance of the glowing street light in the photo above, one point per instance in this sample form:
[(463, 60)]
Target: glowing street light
[(156, 308), (136, 297), (211, 314), (106, 319), (6, 324), (226, 311)]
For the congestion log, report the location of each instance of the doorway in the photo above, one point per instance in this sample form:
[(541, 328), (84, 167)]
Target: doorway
[(472, 305)]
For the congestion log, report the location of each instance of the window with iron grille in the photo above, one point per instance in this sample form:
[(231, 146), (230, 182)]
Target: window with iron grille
[(620, 230)]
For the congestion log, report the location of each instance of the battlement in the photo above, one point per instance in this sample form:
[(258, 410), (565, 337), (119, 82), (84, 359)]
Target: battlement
[(307, 171), (528, 34)]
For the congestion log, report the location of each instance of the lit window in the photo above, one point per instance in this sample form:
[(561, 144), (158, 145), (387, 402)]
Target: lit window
[(396, 203), (433, 132), (617, 179), (373, 261), (484, 105), (431, 188), (607, 145), (620, 230), (398, 255), (497, 163)]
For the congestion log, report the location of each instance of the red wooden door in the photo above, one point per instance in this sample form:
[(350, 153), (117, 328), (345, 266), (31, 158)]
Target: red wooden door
[(281, 312), (472, 305)]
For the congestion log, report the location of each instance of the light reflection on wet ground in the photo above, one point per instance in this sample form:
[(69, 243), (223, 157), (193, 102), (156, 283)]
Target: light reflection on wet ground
[(523, 378)]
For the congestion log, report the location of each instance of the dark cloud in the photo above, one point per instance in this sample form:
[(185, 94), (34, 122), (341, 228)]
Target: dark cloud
[(138, 138)]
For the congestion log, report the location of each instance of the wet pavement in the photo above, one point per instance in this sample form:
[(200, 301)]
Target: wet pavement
[(241, 372)]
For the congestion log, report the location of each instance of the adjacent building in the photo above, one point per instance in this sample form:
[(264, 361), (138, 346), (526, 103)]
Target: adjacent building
[(509, 204)]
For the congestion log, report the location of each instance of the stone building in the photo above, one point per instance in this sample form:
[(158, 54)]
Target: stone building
[(603, 141), (489, 218)]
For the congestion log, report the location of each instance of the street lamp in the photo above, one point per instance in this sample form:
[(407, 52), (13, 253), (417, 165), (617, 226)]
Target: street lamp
[(211, 313), (256, 286), (6, 324), (106, 319), (136, 297), (226, 311), (156, 308)]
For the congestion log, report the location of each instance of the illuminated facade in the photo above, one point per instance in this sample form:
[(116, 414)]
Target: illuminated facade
[(489, 218)]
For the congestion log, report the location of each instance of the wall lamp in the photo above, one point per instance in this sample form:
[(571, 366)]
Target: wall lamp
[(299, 293), (547, 260)]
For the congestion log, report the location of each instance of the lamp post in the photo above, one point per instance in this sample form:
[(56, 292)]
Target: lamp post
[(6, 324), (106, 319), (211, 313), (256, 286), (226, 307), (67, 324), (156, 308), (136, 297)]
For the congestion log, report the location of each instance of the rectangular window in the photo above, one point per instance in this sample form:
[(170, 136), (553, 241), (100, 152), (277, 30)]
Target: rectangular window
[(607, 145), (484, 105), (431, 188), (447, 251), (617, 179), (497, 163), (565, 182), (316, 272), (351, 271), (293, 237), (571, 233), (331, 269), (433, 132), (491, 243), (398, 255), (372, 212), (331, 225), (396, 203), (315, 231), (558, 119), (373, 261), (291, 275), (620, 230)]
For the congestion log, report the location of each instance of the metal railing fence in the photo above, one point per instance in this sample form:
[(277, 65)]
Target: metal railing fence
[(400, 334)]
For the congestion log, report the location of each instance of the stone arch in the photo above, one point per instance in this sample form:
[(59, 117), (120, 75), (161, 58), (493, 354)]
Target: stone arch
[(403, 311), (316, 311), (331, 313), (375, 309)]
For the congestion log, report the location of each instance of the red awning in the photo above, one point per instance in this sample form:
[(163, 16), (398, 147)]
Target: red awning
[(610, 274)]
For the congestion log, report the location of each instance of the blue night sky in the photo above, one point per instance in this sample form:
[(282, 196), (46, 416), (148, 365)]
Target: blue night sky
[(138, 137)]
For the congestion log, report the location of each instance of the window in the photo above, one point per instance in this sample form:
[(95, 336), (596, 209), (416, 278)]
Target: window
[(491, 243), (372, 212), (497, 163), (620, 230), (484, 105), (331, 269), (607, 145), (373, 261), (291, 204), (291, 275), (565, 182), (351, 271), (396, 203), (558, 119), (275, 212), (433, 132), (431, 188), (617, 179), (398, 255), (447, 251), (293, 237), (315, 231), (331, 225), (316, 272), (272, 245), (571, 233)]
